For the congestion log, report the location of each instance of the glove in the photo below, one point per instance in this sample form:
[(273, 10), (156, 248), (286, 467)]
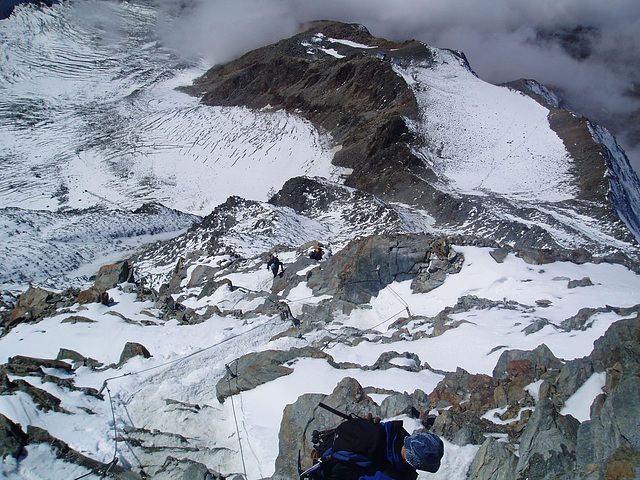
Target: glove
[(371, 418)]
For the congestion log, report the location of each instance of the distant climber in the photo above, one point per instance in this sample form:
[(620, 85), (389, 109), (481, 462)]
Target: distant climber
[(274, 264), (366, 449), (316, 253)]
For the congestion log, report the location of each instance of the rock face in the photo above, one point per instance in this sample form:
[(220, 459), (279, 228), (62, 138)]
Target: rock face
[(550, 445), (111, 275), (359, 97)]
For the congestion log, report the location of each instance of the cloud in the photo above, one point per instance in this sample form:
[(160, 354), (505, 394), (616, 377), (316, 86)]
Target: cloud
[(500, 38)]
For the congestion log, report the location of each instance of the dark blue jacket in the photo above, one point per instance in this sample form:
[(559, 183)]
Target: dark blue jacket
[(374, 447)]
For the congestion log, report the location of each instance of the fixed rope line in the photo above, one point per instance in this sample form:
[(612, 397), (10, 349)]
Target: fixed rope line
[(105, 386), (192, 354), (406, 305), (235, 418), (370, 328)]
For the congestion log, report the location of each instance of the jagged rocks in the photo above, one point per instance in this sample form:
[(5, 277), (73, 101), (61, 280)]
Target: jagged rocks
[(12, 438), (610, 440), (256, 368), (366, 266), (133, 349), (528, 365), (494, 461), (548, 444), (109, 276), (95, 294), (36, 303), (185, 469), (64, 451)]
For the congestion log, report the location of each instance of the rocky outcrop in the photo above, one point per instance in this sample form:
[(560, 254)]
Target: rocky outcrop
[(109, 276), (305, 415), (65, 452), (548, 444), (366, 266), (358, 97), (254, 369), (12, 438), (36, 303)]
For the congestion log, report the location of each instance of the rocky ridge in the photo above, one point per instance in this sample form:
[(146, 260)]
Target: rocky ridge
[(501, 411), (382, 229), (351, 84)]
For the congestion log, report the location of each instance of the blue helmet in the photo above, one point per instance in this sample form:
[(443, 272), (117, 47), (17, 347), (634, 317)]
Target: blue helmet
[(424, 451)]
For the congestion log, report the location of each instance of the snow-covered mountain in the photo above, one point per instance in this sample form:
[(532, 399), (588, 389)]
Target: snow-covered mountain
[(483, 268)]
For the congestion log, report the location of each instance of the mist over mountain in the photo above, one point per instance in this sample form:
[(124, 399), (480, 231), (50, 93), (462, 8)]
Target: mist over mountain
[(475, 244), (587, 50)]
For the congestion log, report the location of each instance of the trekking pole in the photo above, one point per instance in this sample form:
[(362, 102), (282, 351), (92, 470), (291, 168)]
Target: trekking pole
[(337, 412)]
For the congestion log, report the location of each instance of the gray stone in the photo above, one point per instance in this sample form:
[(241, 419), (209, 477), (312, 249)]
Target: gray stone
[(494, 461), (548, 444), (257, 368), (109, 276), (536, 360), (471, 433), (499, 254), (133, 349), (185, 469), (12, 438), (584, 282)]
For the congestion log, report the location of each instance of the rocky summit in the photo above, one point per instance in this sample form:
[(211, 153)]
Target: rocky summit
[(477, 276)]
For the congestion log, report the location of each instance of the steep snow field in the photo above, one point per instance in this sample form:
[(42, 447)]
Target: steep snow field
[(188, 361), (486, 139), (89, 116)]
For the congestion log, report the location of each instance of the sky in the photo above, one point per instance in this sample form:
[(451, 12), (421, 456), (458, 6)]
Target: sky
[(500, 38)]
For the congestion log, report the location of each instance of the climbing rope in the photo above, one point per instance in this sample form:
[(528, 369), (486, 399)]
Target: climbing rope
[(235, 419), (105, 386)]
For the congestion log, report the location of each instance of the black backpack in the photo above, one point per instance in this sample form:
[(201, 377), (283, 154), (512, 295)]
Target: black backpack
[(353, 448)]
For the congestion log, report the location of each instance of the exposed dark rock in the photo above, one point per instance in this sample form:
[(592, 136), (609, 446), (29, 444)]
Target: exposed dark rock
[(584, 282), (66, 453), (95, 294), (78, 359), (455, 389), (620, 344), (109, 276), (469, 434), (526, 365), (365, 106), (24, 365), (499, 254), (132, 349), (184, 469), (43, 399), (366, 266), (256, 368), (36, 303), (494, 461), (77, 319), (12, 438), (572, 376), (548, 444)]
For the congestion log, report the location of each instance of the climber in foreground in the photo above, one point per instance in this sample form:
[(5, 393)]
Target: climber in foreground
[(367, 449)]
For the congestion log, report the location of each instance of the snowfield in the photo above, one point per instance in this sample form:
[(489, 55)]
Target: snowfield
[(91, 120), (188, 360), (486, 139)]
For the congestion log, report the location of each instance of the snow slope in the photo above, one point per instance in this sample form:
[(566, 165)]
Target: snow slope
[(161, 392), (89, 116), (486, 139)]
